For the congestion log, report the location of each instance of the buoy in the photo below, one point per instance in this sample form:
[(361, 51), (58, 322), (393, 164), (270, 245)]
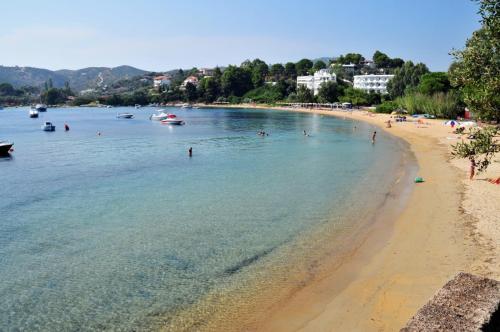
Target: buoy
[(419, 179)]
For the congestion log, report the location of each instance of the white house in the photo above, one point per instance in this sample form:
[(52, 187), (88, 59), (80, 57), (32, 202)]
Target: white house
[(190, 79), (313, 82), (161, 81), (372, 83)]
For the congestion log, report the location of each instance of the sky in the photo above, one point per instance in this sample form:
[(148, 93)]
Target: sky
[(160, 35)]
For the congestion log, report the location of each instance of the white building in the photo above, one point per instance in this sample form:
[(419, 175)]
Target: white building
[(161, 81), (372, 83), (313, 82)]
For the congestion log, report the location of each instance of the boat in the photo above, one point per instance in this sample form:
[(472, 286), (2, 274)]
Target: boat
[(124, 115), (160, 115), (41, 107), (186, 106), (48, 126), (137, 106), (33, 113), (172, 120), (5, 147)]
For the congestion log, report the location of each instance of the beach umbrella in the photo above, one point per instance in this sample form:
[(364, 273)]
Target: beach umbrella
[(452, 123)]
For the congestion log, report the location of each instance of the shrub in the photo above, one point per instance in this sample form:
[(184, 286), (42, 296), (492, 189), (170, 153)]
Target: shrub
[(387, 107), (442, 105)]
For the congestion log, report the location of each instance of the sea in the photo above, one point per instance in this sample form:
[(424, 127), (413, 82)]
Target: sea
[(113, 226)]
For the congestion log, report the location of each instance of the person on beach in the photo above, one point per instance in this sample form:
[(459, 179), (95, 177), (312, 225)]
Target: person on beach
[(190, 151), (389, 124), (472, 168), (373, 137)]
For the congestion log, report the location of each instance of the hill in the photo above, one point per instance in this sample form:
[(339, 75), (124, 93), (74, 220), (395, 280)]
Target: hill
[(86, 78)]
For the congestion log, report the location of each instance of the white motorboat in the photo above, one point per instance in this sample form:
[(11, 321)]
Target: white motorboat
[(186, 106), (124, 115), (48, 126), (172, 120), (33, 113), (159, 115), (137, 106), (5, 147), (41, 107)]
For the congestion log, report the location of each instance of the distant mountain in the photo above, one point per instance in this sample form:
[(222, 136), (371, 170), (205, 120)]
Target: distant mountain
[(87, 78)]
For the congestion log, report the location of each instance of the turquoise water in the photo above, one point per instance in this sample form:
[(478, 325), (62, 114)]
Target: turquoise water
[(110, 231)]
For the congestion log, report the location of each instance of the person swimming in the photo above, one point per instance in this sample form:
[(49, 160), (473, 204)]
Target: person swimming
[(373, 137)]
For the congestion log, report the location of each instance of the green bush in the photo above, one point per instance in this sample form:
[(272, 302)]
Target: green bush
[(442, 105), (264, 94), (387, 107)]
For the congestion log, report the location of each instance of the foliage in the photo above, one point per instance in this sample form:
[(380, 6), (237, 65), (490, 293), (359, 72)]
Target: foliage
[(481, 149), (387, 107), (356, 97), (330, 92), (354, 58), (190, 92), (208, 89), (318, 65), (290, 70), (442, 105), (477, 69), (431, 83), (382, 60), (265, 94), (303, 67), (277, 71), (235, 81), (304, 95), (406, 77)]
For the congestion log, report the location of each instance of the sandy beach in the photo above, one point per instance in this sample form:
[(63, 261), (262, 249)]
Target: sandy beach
[(449, 225)]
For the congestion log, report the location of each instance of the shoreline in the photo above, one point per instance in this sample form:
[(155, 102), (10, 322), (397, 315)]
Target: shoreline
[(386, 280)]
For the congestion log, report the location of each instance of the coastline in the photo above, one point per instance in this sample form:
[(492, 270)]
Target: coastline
[(401, 263)]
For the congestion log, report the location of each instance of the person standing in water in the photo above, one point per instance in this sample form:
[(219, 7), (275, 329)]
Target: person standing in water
[(190, 151), (373, 137), (66, 127)]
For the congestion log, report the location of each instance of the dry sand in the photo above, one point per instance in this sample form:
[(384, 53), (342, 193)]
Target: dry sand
[(450, 225)]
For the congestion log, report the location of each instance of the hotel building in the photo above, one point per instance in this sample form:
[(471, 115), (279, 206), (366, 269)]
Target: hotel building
[(372, 83)]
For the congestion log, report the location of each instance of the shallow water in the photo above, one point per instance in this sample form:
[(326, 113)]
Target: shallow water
[(106, 232)]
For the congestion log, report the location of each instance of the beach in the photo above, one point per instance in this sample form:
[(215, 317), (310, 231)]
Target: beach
[(449, 225)]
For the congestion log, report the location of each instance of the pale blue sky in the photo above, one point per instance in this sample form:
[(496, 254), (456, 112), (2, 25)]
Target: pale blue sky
[(161, 35)]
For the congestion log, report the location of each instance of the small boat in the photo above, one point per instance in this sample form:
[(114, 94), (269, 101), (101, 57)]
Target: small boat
[(160, 115), (5, 147), (33, 113), (48, 126), (124, 115), (172, 120), (137, 106), (186, 106), (41, 107)]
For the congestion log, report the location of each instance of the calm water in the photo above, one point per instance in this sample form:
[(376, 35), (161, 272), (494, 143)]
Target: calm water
[(105, 232)]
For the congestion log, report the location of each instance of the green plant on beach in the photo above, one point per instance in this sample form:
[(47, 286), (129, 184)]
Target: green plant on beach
[(476, 71), (481, 149), (442, 105)]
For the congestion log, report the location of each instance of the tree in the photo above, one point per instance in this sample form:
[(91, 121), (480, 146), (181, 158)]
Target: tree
[(408, 76), (477, 69), (356, 97), (381, 59), (329, 92), (303, 67), (480, 150), (7, 89), (304, 95), (290, 70), (432, 83), (354, 58), (319, 65), (259, 72), (277, 71), (190, 92), (235, 81), (209, 89)]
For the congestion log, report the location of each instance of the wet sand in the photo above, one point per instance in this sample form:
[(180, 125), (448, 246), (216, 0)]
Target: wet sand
[(446, 227)]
